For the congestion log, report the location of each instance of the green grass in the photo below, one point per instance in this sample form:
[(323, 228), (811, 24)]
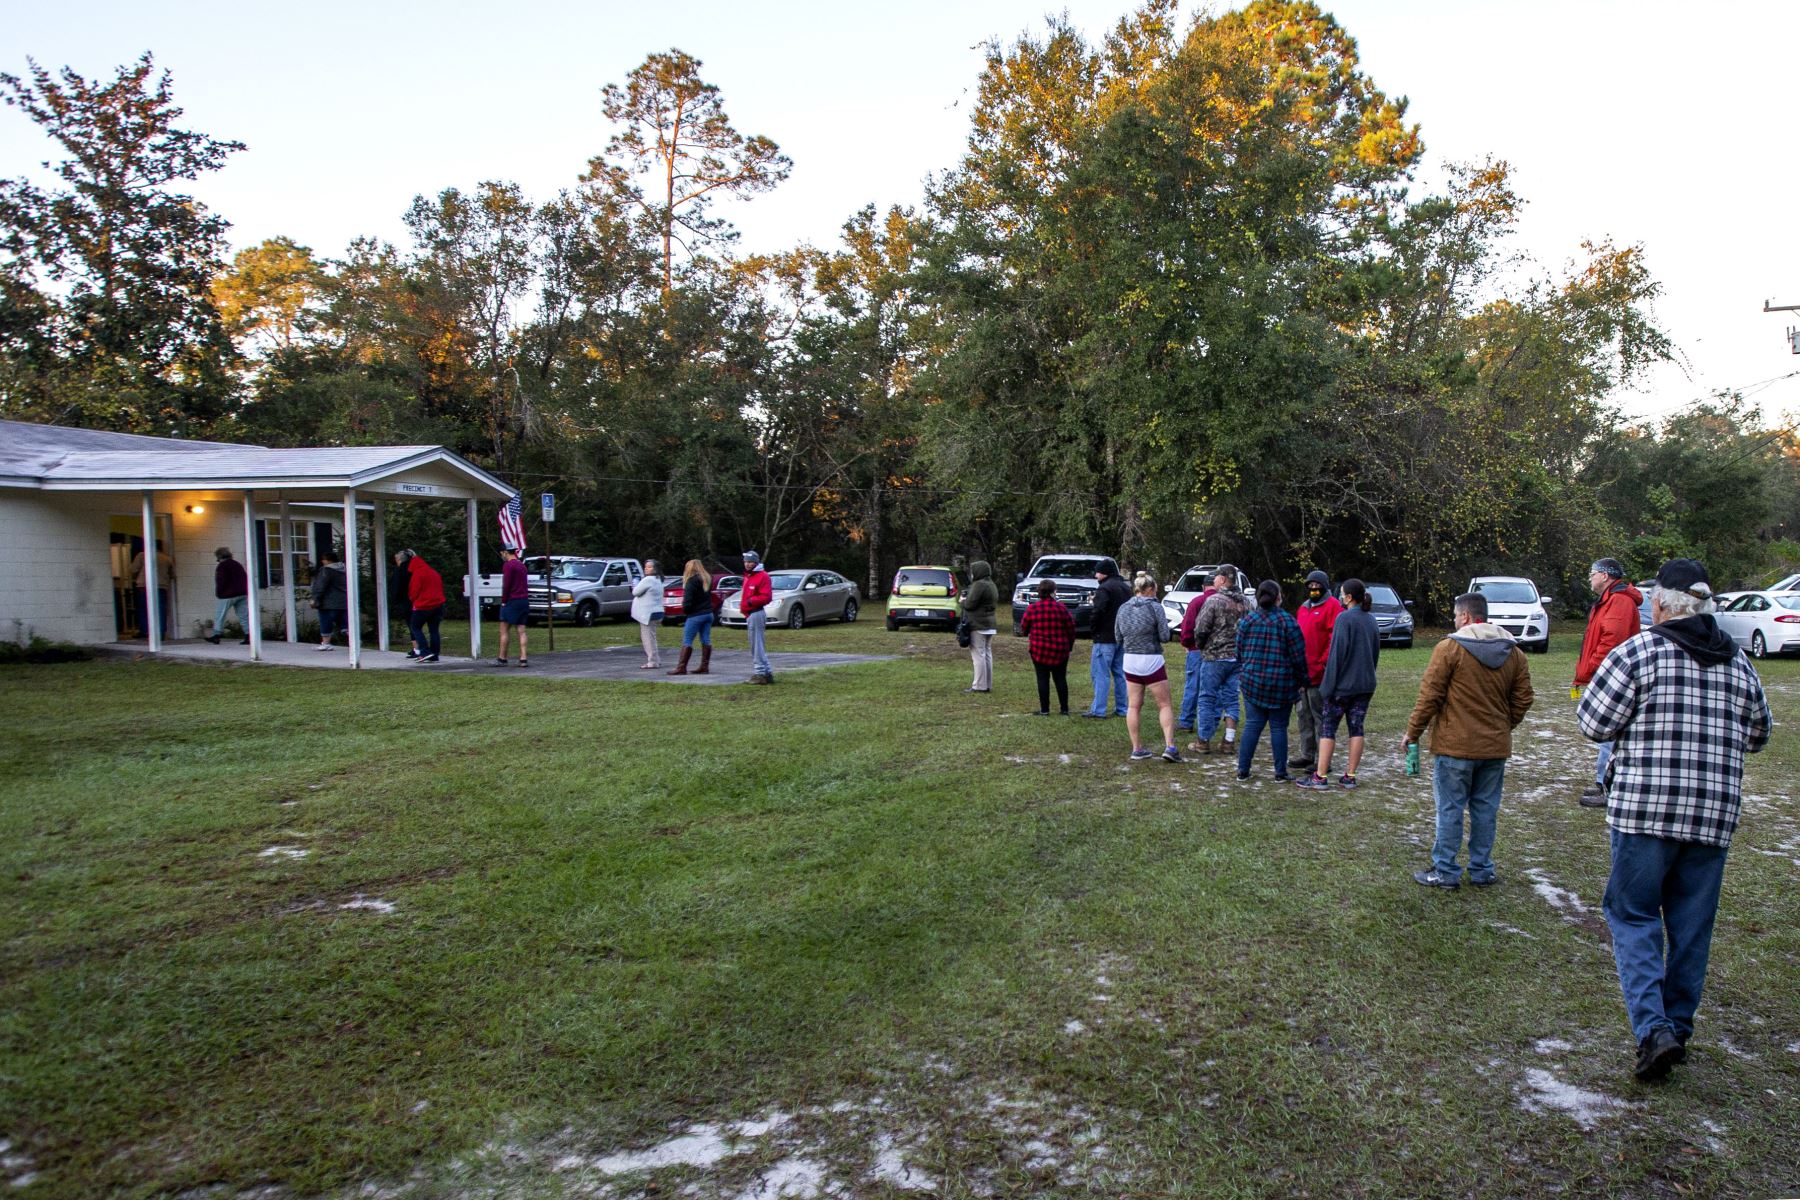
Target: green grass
[(861, 898)]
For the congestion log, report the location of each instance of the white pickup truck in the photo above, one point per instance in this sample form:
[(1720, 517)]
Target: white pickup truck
[(487, 587)]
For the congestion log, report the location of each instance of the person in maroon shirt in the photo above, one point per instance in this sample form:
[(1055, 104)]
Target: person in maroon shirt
[(1051, 631), (231, 587), (515, 602)]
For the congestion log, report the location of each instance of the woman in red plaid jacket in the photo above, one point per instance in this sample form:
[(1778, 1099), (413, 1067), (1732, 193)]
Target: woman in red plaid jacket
[(1052, 632)]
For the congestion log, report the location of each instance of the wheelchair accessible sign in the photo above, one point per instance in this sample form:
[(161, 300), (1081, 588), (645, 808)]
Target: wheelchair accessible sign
[(548, 500)]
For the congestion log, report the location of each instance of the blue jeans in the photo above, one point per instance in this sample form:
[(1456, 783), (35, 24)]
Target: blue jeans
[(242, 605), (1661, 885), (1107, 666), (1255, 717), (697, 626), (1472, 784), (1218, 696), (1600, 763), (1190, 690), (758, 623)]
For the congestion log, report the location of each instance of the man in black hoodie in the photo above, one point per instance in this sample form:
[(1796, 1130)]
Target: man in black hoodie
[(1682, 706), (1106, 667)]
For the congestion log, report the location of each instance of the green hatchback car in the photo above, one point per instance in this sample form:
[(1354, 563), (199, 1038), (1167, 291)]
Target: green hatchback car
[(923, 596)]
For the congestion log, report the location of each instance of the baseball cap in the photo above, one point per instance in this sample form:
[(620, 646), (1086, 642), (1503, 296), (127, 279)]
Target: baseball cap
[(1685, 575)]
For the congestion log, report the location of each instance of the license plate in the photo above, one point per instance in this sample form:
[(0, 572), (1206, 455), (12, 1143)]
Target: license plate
[(923, 612)]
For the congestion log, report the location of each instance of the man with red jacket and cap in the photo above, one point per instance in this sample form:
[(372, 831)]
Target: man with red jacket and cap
[(1317, 615), (1613, 618), (754, 600)]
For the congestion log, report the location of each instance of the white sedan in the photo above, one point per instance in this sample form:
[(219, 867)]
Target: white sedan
[(1763, 623)]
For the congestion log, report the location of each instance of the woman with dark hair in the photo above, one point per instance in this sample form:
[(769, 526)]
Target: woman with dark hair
[(1349, 684), (1052, 632), (330, 597), (1272, 668)]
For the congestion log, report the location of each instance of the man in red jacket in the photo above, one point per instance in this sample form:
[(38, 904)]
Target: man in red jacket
[(754, 599), (425, 588), (1613, 618), (1317, 616)]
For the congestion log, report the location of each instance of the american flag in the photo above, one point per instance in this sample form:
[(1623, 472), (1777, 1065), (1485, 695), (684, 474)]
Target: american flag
[(512, 533)]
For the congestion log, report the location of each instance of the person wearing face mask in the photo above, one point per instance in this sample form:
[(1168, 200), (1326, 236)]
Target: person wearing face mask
[(1317, 615)]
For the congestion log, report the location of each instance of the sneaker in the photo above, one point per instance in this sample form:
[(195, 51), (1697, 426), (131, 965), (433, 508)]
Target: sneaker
[(1313, 783), (1434, 878), (326, 646), (412, 654), (1483, 880), (1593, 796), (214, 639), (422, 657), (1283, 778), (1243, 775), (1347, 782), (1171, 754), (1657, 1053), (1142, 755), (1095, 716), (524, 662), (1042, 712)]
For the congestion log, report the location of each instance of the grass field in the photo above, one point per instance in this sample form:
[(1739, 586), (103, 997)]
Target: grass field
[(272, 932)]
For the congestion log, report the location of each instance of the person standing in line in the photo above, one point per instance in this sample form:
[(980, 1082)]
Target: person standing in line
[(1215, 632), (1051, 633), (231, 587), (1476, 690), (754, 601), (1105, 668), (696, 617), (399, 588), (1142, 627), (1273, 673), (647, 611), (425, 592), (1190, 671), (1613, 618), (979, 603), (165, 579), (1318, 613), (1348, 684), (331, 597), (515, 602), (1682, 707)]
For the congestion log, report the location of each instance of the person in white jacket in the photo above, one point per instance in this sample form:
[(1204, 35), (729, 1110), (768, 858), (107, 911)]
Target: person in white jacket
[(647, 611)]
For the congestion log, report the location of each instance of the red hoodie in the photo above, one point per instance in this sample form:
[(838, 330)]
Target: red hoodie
[(757, 592), (1613, 619), (426, 587), (1316, 624)]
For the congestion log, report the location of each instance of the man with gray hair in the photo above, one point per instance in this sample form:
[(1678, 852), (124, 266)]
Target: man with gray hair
[(1682, 707), (1613, 618)]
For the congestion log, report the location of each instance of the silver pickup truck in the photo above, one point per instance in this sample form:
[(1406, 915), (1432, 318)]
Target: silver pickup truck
[(583, 590)]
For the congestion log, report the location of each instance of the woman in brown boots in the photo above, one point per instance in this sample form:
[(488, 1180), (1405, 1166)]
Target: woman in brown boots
[(697, 611)]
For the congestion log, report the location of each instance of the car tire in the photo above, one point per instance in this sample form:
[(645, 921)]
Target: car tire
[(1406, 645), (1758, 647), (849, 611), (1542, 647), (893, 625), (587, 613), (797, 618)]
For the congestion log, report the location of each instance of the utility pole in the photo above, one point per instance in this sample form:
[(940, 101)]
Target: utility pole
[(1793, 334)]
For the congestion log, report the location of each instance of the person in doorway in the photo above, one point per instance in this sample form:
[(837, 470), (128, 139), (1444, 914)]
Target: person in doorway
[(231, 587), (1348, 684), (647, 611), (1476, 690), (515, 602), (1105, 669), (165, 579), (1682, 707), (1318, 614), (1613, 618), (330, 597), (979, 603), (1051, 633), (1142, 627), (696, 617), (754, 600), (425, 592), (1215, 633), (1272, 654)]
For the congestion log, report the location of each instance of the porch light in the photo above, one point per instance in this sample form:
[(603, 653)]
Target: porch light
[(196, 509)]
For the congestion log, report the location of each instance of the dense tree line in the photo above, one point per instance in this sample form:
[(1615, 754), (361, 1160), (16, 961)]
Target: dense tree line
[(1176, 301)]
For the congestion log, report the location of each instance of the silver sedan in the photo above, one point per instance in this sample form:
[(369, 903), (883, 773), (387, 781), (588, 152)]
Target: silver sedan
[(801, 597)]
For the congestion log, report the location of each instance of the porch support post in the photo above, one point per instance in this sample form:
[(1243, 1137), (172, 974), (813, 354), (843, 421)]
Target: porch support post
[(474, 587), (152, 607), (284, 531), (352, 578), (253, 616), (381, 579)]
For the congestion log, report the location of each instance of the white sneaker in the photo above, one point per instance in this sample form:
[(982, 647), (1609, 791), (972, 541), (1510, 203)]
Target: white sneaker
[(326, 646)]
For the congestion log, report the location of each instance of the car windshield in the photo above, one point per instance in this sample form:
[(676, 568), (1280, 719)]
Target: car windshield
[(786, 582), (579, 570), (1506, 592), (1383, 596), (927, 577), (1064, 568)]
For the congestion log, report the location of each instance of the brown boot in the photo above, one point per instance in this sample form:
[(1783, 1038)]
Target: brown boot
[(687, 652), (1203, 747), (705, 667)]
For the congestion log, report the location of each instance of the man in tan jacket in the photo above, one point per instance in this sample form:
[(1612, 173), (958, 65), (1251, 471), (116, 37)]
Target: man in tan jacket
[(1476, 690)]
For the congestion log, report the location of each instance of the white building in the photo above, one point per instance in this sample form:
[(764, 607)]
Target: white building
[(77, 504)]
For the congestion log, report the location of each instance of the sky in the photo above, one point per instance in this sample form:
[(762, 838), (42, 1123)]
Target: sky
[(1660, 123)]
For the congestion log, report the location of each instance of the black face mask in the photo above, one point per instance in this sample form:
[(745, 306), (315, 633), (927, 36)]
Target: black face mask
[(1314, 593)]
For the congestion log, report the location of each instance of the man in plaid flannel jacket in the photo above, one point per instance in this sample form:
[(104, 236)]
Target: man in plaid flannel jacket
[(1682, 706)]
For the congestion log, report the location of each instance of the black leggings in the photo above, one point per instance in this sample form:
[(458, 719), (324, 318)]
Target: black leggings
[(424, 620), (1060, 673)]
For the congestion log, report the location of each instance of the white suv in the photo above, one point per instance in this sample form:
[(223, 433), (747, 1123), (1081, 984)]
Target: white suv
[(1515, 606)]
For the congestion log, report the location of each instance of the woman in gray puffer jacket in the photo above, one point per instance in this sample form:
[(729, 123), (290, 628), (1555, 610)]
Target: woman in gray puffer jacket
[(978, 605), (1142, 628)]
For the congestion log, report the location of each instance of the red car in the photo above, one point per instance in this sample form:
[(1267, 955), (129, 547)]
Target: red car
[(723, 588)]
